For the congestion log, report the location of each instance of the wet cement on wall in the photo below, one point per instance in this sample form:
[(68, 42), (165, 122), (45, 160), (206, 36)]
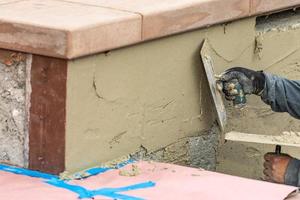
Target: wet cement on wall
[(151, 95), (13, 133), (154, 96)]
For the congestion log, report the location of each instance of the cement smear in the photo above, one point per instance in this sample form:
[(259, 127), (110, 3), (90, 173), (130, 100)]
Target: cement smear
[(133, 171)]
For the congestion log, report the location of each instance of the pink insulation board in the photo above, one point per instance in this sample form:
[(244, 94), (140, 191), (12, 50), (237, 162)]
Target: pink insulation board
[(144, 180)]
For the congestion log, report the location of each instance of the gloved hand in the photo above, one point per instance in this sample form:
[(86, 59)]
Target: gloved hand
[(275, 167), (252, 82)]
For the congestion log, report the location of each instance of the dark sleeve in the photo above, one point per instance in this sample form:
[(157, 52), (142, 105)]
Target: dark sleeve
[(282, 95), (292, 174)]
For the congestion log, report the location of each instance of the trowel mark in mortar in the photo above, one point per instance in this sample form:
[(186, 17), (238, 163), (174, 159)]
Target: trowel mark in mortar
[(99, 95), (116, 138), (287, 55), (163, 106), (191, 119), (95, 88), (92, 132), (160, 121), (219, 54), (252, 152), (132, 115), (291, 70), (263, 113)]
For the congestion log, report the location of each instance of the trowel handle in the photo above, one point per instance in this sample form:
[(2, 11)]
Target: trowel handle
[(278, 149), (240, 99)]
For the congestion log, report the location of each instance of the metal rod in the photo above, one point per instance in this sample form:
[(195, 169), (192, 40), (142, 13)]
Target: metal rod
[(278, 149)]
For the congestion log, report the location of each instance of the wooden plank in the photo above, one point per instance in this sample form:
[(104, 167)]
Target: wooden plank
[(286, 138), (47, 114)]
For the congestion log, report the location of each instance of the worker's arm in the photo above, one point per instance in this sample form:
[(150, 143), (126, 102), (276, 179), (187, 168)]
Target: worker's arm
[(292, 174), (281, 94)]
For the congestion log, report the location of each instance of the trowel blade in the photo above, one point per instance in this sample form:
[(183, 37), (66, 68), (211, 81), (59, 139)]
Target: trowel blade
[(215, 93)]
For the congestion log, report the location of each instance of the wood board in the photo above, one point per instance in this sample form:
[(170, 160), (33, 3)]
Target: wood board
[(285, 139)]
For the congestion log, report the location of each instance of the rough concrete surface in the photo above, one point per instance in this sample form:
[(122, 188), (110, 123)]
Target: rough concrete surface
[(278, 22), (203, 149), (196, 151), (13, 135)]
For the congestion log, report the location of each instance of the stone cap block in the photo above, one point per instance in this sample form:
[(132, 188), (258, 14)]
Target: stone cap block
[(265, 6), (74, 28), (165, 17), (65, 29)]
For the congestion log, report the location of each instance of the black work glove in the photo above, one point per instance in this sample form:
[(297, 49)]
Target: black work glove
[(252, 82)]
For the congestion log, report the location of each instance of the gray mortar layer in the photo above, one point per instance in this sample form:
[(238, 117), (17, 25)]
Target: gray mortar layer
[(278, 21), (12, 114), (199, 151), (203, 150)]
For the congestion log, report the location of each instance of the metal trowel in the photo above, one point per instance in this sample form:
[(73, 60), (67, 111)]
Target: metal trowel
[(286, 138), (215, 93)]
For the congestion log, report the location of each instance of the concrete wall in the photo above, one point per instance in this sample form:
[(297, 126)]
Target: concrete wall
[(151, 100), (145, 95), (154, 94), (13, 125)]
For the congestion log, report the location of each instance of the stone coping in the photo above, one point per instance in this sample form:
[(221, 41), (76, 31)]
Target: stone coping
[(74, 28)]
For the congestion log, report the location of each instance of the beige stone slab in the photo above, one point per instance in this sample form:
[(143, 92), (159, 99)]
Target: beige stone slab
[(161, 18), (65, 29), (261, 6)]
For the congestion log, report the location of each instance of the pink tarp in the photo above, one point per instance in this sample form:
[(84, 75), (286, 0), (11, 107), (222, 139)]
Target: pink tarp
[(171, 182)]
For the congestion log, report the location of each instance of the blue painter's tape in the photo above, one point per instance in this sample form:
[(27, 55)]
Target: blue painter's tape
[(117, 196), (95, 171), (135, 187), (114, 192), (27, 172), (122, 164), (79, 190), (100, 170), (107, 192)]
